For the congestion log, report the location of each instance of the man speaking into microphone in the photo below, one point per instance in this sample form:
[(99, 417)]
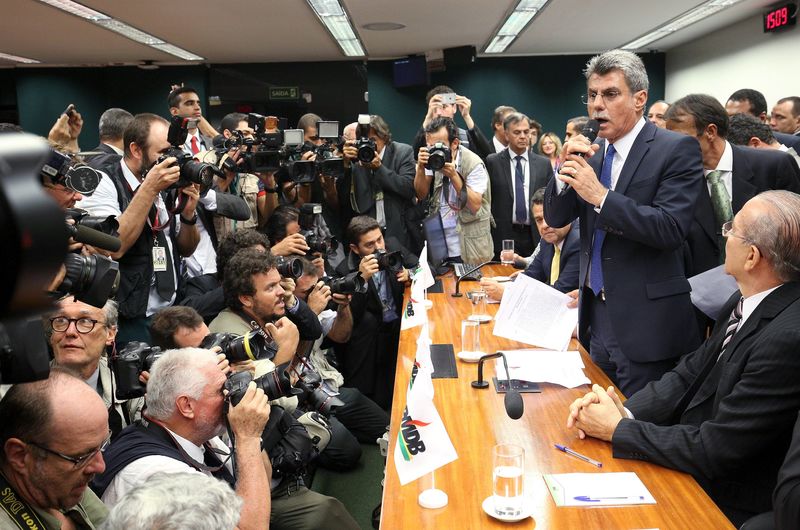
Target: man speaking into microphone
[(634, 192)]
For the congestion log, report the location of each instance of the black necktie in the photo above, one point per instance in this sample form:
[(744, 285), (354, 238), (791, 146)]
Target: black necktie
[(165, 280), (520, 201)]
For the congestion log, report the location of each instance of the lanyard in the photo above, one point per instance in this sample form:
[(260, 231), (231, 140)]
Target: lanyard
[(17, 509)]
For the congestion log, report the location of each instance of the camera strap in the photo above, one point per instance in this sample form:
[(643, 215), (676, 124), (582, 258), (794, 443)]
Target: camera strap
[(17, 509), (213, 462)]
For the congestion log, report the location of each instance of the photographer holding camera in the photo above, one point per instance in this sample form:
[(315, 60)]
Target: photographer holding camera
[(456, 184), (359, 414), (443, 102), (368, 359), (180, 433), (382, 185), (79, 335), (153, 238)]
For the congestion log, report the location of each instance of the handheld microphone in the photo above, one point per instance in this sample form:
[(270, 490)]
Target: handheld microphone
[(96, 238), (458, 294), (590, 131), (512, 400)]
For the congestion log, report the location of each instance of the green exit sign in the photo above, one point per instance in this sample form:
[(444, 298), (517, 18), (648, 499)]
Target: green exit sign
[(287, 93)]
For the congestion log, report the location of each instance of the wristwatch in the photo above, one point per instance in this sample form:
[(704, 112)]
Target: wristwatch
[(187, 221)]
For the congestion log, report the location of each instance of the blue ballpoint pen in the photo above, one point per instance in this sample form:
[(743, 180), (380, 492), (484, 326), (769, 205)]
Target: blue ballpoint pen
[(569, 451)]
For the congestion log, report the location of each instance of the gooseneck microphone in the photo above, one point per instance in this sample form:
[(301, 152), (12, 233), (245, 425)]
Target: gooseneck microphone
[(456, 293), (513, 400)]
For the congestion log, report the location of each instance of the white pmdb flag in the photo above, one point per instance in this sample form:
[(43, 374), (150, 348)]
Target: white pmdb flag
[(423, 444), (414, 313)]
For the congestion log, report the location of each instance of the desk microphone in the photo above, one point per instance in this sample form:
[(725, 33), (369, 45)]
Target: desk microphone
[(512, 401), (467, 273)]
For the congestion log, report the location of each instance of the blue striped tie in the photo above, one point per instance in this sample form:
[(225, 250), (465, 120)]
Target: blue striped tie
[(596, 276)]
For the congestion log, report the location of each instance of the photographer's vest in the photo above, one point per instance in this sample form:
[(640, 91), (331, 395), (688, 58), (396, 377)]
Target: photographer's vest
[(147, 438), (136, 266), (475, 236)]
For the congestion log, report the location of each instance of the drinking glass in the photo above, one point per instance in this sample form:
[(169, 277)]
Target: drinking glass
[(471, 338), (507, 254), (508, 477), (480, 311)]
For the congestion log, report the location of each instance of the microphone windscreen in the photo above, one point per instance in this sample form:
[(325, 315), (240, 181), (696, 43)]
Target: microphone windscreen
[(514, 405), (591, 129), (98, 239)]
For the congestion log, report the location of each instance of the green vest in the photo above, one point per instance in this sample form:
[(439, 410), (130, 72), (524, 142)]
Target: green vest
[(475, 235)]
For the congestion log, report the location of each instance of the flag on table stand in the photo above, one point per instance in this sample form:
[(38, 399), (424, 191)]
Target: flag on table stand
[(423, 444), (415, 314)]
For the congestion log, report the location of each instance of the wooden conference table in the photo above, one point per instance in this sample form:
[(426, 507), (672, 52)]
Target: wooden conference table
[(476, 420)]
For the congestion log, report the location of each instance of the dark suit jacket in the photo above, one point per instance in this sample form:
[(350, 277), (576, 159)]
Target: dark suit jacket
[(502, 182), (754, 171), (646, 219), (569, 263), (786, 500), (228, 205), (731, 435), (106, 157), (395, 178), (789, 140)]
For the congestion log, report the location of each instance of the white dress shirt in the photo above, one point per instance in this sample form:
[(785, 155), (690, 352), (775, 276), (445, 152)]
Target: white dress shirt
[(725, 165), (498, 147)]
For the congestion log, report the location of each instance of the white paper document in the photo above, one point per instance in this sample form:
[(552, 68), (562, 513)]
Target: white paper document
[(711, 289), (597, 489), (534, 313), (563, 368)]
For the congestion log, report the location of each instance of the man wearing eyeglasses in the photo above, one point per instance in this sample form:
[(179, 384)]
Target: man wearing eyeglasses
[(635, 193), (79, 335), (52, 433)]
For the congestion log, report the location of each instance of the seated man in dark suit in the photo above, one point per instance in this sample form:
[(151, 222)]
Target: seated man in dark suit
[(725, 414), (558, 261), (514, 174), (367, 361)]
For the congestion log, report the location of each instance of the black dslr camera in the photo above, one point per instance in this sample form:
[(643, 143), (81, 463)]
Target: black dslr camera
[(310, 229), (314, 397), (350, 284), (364, 144), (285, 440), (250, 347), (275, 384), (289, 267), (135, 358), (438, 156), (391, 261), (62, 169), (192, 171), (90, 279)]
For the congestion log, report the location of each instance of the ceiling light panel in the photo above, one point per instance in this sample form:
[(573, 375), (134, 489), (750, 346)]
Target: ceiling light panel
[(17, 59), (516, 21), (336, 20)]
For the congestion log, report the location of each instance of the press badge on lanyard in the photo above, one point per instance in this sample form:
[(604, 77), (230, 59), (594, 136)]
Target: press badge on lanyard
[(159, 257)]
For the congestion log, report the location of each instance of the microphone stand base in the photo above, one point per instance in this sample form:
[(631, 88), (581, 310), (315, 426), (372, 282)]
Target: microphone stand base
[(480, 384)]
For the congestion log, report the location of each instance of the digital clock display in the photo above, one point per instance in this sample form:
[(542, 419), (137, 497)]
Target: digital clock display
[(780, 17)]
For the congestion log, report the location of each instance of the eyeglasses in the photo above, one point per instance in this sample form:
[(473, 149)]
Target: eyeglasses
[(77, 461), (727, 231), (608, 96), (83, 324)]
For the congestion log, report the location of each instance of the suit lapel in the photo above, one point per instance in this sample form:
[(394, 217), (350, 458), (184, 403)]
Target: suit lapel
[(741, 181), (640, 148), (505, 160), (548, 251), (388, 155), (704, 213)]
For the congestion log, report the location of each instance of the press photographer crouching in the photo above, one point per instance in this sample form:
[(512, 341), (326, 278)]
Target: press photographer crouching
[(368, 359), (360, 415), (180, 433), (79, 336), (257, 300)]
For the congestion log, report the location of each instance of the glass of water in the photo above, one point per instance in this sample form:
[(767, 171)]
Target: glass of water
[(508, 477), (480, 309), (471, 338), (507, 253)]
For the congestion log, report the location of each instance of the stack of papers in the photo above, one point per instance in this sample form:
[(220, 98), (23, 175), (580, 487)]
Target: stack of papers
[(597, 489), (534, 313), (563, 368)]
